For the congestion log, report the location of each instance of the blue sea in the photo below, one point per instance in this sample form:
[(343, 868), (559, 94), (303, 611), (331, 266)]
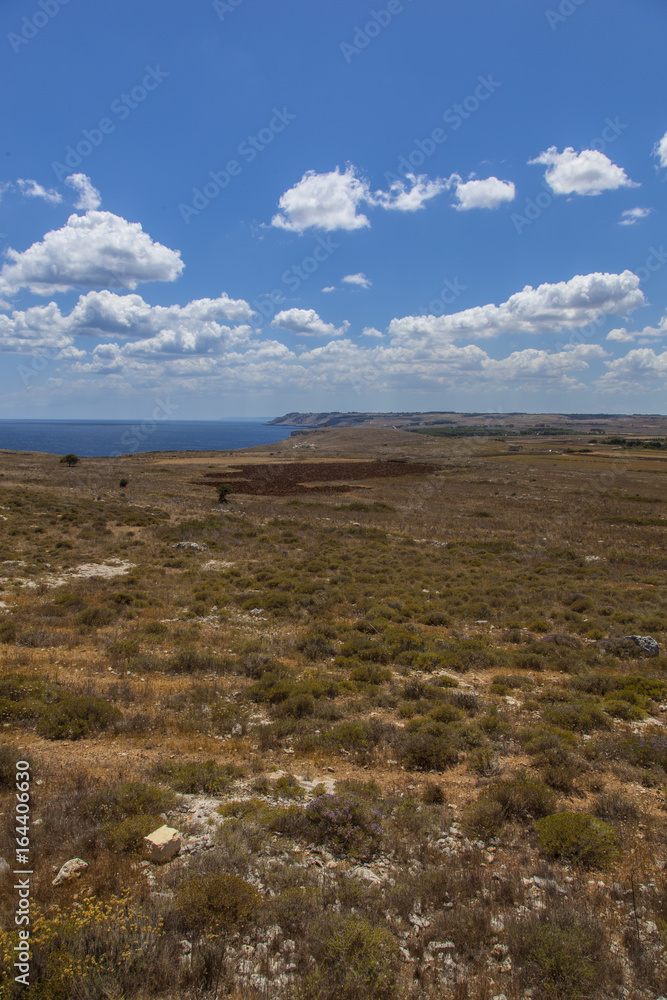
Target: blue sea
[(96, 438)]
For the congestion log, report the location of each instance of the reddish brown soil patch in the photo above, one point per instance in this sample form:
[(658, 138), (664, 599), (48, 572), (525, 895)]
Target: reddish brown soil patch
[(283, 479)]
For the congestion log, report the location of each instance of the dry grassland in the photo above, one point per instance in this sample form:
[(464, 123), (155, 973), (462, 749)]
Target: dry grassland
[(401, 764)]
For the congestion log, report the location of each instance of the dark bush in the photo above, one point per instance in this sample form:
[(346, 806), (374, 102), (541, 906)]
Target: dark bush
[(348, 825)]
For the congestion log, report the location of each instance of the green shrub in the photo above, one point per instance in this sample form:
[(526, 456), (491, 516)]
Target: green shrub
[(363, 648), (127, 836), (563, 954), (370, 673), (484, 818), (298, 706), (132, 798), (444, 712), (96, 617), (9, 755), (317, 645), (354, 959), (519, 798), (579, 717), (216, 902), (577, 837), (71, 718), (191, 661), (432, 750), (191, 777), (358, 736), (287, 787)]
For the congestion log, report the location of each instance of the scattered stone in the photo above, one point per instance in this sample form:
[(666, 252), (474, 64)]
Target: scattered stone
[(71, 869), (442, 946), (198, 844), (4, 866), (497, 925), (646, 643), (630, 646), (194, 546), (162, 844), (367, 874)]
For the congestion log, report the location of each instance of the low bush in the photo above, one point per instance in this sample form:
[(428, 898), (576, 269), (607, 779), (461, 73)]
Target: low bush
[(348, 825), (431, 748), (192, 777), (519, 798), (132, 798), (577, 837), (353, 959), (562, 954), (216, 902), (72, 718)]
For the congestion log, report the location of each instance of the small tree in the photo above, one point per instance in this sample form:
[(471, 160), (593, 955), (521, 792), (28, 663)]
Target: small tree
[(70, 459), (223, 492), (123, 483)]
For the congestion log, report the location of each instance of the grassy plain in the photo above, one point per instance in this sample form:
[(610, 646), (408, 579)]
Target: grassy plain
[(377, 714)]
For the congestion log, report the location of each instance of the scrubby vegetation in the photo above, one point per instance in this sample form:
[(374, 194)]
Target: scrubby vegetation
[(407, 746)]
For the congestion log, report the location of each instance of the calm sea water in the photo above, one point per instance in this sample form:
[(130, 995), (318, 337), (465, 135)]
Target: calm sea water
[(94, 438)]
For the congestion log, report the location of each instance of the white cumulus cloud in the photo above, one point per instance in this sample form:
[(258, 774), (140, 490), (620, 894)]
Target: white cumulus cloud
[(360, 280), (200, 326), (307, 323), (545, 309), (331, 201), (31, 189), (631, 216), (94, 250), (89, 197), (404, 198), (323, 201), (640, 369), (487, 193), (660, 151), (644, 336), (589, 172)]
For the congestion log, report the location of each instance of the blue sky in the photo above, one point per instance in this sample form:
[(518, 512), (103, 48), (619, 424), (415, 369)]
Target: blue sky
[(246, 208)]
